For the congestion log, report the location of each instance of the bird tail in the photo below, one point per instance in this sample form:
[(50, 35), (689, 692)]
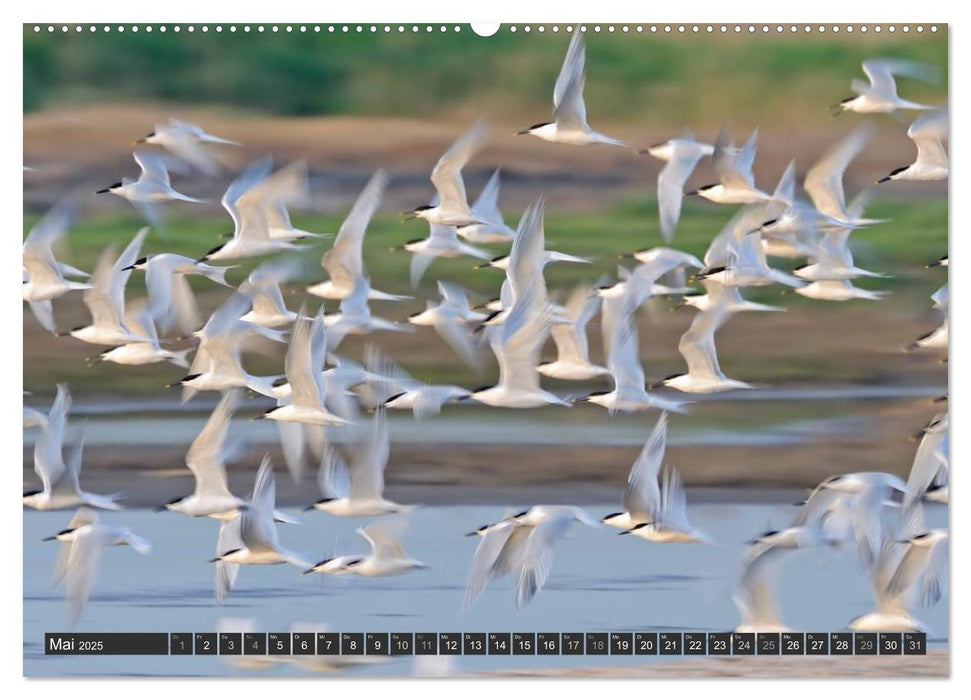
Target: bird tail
[(180, 358)]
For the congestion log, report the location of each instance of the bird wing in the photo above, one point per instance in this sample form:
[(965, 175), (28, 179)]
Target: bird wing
[(538, 557), (670, 185), (488, 552), (206, 455), (367, 470), (824, 181), (925, 466), (383, 535), (225, 575), (333, 477), (928, 132), (675, 502), (526, 256), (697, 345), (257, 528), (568, 107), (458, 338), (753, 591), (486, 205), (343, 261), (447, 173), (82, 566), (305, 360), (154, 168), (881, 72), (642, 497), (248, 219), (48, 457), (623, 357)]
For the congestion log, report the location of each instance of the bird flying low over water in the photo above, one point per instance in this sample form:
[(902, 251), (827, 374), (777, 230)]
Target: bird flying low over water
[(521, 544)]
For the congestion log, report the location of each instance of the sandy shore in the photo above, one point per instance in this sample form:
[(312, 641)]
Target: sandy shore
[(935, 665)]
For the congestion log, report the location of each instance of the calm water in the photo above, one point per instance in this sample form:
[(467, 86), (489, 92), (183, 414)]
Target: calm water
[(599, 582)]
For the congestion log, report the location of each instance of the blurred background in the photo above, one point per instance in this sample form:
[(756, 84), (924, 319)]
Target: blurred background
[(350, 103)]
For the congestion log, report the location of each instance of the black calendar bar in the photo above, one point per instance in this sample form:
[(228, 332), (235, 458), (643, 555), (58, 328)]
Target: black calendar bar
[(487, 643)]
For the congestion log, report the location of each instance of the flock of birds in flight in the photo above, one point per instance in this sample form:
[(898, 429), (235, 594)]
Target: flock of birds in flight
[(878, 512)]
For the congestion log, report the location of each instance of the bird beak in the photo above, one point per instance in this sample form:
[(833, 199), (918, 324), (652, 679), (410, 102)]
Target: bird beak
[(49, 539), (884, 179), (307, 571), (408, 215), (522, 133), (159, 509), (692, 193), (310, 507), (471, 534), (624, 532), (213, 561), (643, 151), (130, 267), (481, 266), (103, 191)]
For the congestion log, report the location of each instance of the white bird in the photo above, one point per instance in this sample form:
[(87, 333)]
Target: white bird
[(719, 296), (522, 544), (670, 525), (642, 497), (880, 94), (106, 297), (486, 208), (736, 183), (206, 459), (569, 123), (391, 387), (736, 257), (245, 201), (343, 262), (172, 302), (915, 557), (570, 336), (151, 187), (927, 132), (387, 558), (355, 318), (304, 365), (44, 277), (838, 290), (753, 594), (442, 242), (927, 464), (450, 319), (139, 320), (680, 155), (516, 344), (832, 259), (59, 468), (824, 181), (624, 363), (288, 185), (263, 289), (865, 494), (451, 207), (937, 338), (697, 347), (258, 542), (32, 417), (188, 142), (81, 545), (358, 490), (217, 365), (792, 226)]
